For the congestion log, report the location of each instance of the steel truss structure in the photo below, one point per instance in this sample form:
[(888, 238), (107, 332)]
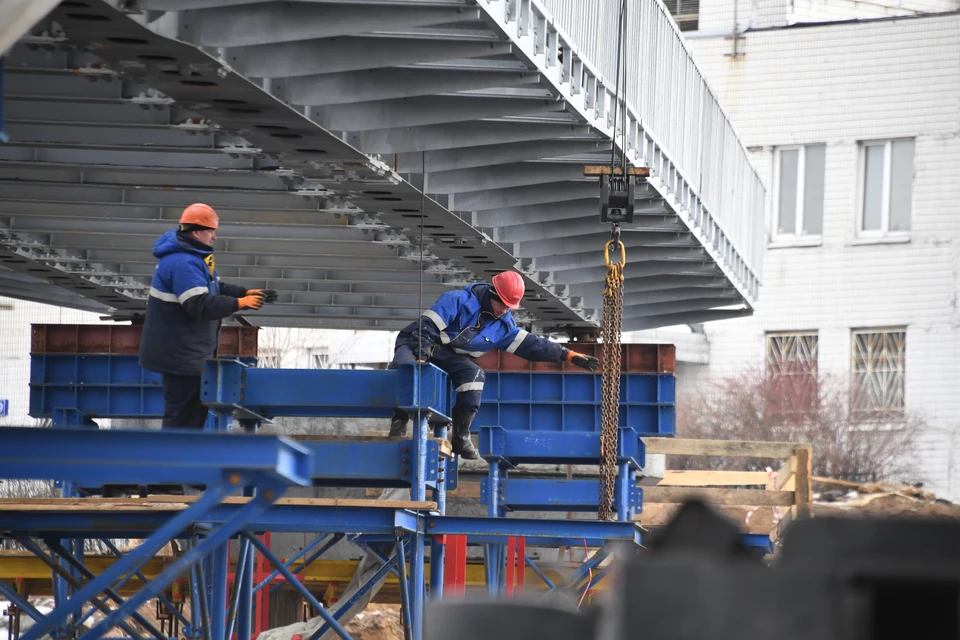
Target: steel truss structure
[(400, 535), (322, 129)]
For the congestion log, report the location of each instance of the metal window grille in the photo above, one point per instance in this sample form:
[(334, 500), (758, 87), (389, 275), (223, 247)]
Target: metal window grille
[(792, 371), (686, 13), (878, 368)]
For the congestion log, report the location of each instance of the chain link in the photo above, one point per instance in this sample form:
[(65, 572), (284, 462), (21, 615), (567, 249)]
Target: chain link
[(610, 398)]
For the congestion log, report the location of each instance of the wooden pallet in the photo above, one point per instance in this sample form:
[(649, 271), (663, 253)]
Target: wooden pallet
[(786, 491)]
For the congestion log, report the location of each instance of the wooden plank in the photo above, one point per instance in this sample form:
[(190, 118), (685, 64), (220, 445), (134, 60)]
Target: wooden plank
[(178, 503), (804, 490), (836, 483), (464, 490), (752, 497), (786, 478), (659, 515), (712, 478), (734, 448), (606, 170)]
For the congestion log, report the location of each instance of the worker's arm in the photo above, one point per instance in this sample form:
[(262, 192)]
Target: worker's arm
[(190, 285), (232, 290), (426, 335), (538, 349)]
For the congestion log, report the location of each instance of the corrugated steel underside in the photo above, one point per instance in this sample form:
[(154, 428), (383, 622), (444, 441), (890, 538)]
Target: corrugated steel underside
[(310, 127)]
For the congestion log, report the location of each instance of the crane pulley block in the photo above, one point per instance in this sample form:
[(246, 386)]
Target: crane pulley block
[(617, 191)]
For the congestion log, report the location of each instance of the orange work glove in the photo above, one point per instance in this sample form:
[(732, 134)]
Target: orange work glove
[(250, 301), (269, 295), (584, 362)]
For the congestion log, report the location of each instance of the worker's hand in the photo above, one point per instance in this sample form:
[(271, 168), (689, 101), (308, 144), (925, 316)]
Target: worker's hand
[(251, 301), (584, 362), (422, 352), (269, 295)]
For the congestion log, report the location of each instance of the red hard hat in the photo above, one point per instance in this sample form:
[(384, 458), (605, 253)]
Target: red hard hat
[(509, 288), (200, 214)]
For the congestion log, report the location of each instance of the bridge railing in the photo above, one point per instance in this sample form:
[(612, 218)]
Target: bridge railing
[(674, 123)]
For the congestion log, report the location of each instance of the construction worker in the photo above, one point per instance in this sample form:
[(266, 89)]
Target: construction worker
[(187, 301), (469, 323)]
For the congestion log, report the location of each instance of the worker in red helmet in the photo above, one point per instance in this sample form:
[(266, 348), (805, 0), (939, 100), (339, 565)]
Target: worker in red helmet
[(185, 307), (466, 324)]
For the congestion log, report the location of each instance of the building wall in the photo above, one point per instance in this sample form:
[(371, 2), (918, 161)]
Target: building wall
[(758, 14), (842, 84)]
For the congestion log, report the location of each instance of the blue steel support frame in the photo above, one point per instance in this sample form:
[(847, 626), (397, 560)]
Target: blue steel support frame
[(296, 584), (257, 394), (19, 602)]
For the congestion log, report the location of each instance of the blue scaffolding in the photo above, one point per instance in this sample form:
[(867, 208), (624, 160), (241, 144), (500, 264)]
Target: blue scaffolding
[(528, 418)]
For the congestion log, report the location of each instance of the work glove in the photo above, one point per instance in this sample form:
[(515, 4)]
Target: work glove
[(250, 301), (584, 362), (269, 295), (422, 352)]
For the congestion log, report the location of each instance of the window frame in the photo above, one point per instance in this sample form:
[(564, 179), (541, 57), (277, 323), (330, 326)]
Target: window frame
[(877, 414), (800, 379), (797, 236), (886, 188)]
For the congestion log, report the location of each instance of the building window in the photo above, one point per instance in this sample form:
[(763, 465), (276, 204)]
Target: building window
[(686, 13), (792, 371), (886, 195), (879, 359), (320, 358), (801, 172)]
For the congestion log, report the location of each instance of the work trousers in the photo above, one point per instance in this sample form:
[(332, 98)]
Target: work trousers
[(466, 376), (182, 408)]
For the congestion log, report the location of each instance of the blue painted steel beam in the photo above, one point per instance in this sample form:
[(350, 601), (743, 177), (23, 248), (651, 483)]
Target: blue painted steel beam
[(21, 603), (556, 447), (374, 464), (296, 584), (358, 595), (135, 456), (547, 494), (330, 541), (533, 528), (279, 518), (758, 540), (230, 384)]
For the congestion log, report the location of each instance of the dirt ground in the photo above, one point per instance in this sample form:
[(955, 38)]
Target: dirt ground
[(885, 501), (377, 622)]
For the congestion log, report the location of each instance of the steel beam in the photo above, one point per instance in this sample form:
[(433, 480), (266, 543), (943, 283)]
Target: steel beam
[(462, 135), (515, 174), (591, 226), (509, 216), (268, 23), (395, 83), (495, 154), (143, 456), (292, 59), (421, 111), (670, 319)]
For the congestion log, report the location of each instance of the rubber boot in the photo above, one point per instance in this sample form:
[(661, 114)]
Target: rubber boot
[(462, 444), (398, 423)]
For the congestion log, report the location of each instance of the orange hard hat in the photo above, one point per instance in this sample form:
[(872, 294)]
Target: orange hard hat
[(509, 288), (201, 215)]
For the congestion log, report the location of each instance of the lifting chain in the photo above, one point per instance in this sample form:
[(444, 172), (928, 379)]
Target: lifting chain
[(610, 402)]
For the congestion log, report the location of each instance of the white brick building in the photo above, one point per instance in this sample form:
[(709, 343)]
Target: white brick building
[(855, 129)]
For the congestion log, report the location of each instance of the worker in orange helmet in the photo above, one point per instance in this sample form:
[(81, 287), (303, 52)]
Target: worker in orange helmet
[(469, 323), (185, 307)]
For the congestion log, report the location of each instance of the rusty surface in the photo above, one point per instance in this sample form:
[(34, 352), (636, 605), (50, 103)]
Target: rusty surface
[(634, 358), (125, 339)]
